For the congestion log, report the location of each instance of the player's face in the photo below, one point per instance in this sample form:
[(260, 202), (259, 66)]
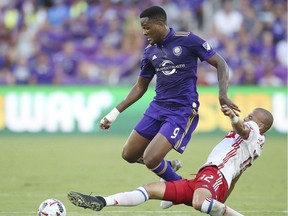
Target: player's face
[(253, 116), (152, 29)]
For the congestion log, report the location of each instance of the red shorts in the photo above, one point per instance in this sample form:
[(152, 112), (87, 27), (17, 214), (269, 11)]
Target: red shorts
[(182, 191)]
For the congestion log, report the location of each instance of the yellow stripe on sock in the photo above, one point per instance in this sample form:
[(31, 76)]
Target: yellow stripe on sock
[(162, 171)]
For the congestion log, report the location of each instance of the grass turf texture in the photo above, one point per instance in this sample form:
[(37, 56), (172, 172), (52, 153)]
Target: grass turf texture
[(40, 167)]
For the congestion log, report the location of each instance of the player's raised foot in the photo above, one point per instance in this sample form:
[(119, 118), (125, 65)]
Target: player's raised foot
[(176, 165), (86, 201)]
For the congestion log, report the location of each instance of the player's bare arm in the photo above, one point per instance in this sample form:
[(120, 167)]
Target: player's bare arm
[(237, 123), (136, 92), (223, 78)]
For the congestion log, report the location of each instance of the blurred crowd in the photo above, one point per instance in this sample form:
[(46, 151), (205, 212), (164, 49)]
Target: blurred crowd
[(100, 41)]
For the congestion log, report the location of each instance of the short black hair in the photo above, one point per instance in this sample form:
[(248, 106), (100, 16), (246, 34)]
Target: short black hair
[(154, 12)]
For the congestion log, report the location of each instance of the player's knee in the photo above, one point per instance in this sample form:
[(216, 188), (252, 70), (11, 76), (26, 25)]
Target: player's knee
[(150, 162), (128, 157), (197, 204), (199, 198)]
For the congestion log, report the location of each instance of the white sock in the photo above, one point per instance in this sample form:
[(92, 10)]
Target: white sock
[(132, 198), (216, 208)]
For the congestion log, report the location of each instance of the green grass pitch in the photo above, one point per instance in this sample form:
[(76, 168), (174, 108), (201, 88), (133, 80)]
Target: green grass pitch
[(34, 168)]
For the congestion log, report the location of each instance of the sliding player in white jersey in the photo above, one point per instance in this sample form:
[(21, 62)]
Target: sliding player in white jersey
[(214, 181)]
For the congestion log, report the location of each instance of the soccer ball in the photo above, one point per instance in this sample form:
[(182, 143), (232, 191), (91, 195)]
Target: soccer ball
[(51, 207)]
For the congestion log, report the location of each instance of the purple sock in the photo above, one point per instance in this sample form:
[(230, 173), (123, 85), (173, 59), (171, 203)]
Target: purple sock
[(165, 171)]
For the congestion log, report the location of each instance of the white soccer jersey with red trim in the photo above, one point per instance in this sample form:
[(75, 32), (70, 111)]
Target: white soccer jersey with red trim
[(234, 154)]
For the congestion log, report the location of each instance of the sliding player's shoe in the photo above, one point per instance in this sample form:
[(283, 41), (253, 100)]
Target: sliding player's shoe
[(176, 165), (86, 201)]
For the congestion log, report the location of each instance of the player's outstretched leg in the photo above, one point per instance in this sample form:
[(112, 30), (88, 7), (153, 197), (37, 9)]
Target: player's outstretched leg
[(96, 203), (86, 201), (176, 165)]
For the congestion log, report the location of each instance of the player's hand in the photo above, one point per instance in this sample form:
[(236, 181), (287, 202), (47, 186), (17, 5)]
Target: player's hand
[(105, 124), (227, 111), (226, 101)]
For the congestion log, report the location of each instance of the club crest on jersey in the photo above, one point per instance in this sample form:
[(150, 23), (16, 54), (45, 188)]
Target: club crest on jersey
[(177, 50), (206, 46)]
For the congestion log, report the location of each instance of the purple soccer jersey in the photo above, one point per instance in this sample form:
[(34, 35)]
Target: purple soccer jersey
[(174, 61), (173, 112)]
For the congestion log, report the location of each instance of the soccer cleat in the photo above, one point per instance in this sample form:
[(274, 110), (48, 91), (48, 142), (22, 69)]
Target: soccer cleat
[(176, 165), (86, 201)]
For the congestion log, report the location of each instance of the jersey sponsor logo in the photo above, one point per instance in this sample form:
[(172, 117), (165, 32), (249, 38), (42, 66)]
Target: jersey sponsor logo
[(177, 50), (167, 67), (206, 46)]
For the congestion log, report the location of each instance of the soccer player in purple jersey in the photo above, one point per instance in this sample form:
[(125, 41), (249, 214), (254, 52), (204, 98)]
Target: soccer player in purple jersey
[(172, 116)]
